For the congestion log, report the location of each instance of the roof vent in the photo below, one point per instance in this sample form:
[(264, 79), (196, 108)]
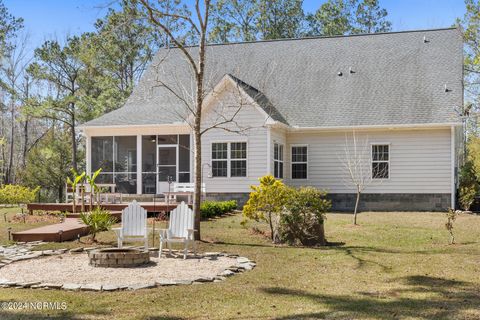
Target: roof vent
[(340, 73), (425, 40), (446, 88), (351, 70)]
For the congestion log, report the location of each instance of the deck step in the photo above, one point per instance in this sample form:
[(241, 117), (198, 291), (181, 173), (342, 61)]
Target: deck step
[(70, 229)]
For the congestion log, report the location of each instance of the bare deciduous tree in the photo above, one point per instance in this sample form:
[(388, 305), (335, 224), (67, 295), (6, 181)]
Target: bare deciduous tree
[(356, 161), (203, 86)]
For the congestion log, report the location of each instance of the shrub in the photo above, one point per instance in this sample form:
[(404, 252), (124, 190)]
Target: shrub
[(210, 209), (16, 194), (303, 217), (467, 196), (469, 187), (266, 202), (97, 221), (451, 217)]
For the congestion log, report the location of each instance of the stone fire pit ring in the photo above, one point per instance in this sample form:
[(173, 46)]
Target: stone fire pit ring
[(118, 258)]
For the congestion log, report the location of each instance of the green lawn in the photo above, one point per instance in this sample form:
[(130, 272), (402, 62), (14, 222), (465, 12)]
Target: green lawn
[(394, 265)]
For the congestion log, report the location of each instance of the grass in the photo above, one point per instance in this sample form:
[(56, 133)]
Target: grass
[(394, 265)]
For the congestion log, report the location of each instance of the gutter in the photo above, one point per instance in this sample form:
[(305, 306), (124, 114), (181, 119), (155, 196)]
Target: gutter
[(382, 126)]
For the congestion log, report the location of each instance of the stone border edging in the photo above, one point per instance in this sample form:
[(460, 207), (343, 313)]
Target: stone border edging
[(243, 264)]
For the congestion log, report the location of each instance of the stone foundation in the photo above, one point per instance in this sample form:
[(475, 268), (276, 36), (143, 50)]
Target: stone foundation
[(368, 201), (240, 197), (391, 201)]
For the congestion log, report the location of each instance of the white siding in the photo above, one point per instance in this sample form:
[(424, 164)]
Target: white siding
[(419, 160), (255, 136)]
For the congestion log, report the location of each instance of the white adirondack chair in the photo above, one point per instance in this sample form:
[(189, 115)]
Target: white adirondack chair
[(180, 229), (134, 225)]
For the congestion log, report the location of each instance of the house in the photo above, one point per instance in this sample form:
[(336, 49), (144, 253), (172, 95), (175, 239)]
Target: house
[(296, 103)]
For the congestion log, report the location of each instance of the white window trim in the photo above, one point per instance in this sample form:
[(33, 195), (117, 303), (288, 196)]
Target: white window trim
[(388, 161), (292, 162), (278, 144), (229, 158)]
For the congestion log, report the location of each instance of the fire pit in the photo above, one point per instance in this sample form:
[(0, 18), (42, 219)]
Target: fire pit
[(118, 258)]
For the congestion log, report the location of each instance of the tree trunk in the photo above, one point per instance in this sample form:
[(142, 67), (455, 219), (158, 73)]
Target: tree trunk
[(25, 143), (270, 222), (74, 143), (197, 133), (198, 181), (9, 175), (60, 193), (356, 208)]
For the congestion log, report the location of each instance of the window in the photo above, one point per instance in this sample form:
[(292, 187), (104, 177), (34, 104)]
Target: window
[(229, 159), (278, 160), (380, 161), (299, 162), (219, 159), (238, 156)]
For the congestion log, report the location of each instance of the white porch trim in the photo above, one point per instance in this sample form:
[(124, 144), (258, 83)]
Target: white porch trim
[(139, 164), (88, 154)]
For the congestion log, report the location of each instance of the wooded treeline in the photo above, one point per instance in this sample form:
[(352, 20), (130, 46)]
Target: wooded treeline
[(46, 92)]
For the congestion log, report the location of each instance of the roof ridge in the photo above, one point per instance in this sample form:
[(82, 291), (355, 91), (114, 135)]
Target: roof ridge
[(323, 37)]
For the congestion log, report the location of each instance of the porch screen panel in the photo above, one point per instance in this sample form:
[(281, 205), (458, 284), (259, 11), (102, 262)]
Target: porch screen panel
[(184, 158), (102, 154), (125, 168), (166, 163), (149, 160), (102, 158)]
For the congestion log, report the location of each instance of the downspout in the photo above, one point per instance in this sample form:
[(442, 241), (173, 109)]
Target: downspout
[(269, 150), (452, 164)]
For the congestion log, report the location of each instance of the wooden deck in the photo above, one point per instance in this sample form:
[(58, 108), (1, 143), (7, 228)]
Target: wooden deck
[(151, 207), (70, 229)]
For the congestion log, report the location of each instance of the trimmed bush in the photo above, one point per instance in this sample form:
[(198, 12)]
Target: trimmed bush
[(210, 209), (303, 218)]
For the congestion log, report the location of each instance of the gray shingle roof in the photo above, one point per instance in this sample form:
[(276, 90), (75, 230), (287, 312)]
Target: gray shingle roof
[(396, 78)]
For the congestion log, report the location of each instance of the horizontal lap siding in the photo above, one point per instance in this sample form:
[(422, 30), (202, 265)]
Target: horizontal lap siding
[(256, 138), (419, 161)]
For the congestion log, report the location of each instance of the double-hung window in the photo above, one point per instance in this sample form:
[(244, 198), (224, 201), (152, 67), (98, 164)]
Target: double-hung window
[(278, 160), (380, 161), (229, 159), (299, 162), (238, 159), (220, 159)]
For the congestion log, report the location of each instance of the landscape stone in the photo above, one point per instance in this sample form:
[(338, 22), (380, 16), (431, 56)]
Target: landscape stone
[(242, 260), (203, 279), (91, 287), (110, 287), (71, 286), (10, 284), (51, 285), (142, 286), (247, 266), (227, 273), (28, 284), (165, 283)]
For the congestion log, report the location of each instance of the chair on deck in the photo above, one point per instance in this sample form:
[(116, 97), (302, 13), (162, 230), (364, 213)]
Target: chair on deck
[(180, 229), (134, 225)]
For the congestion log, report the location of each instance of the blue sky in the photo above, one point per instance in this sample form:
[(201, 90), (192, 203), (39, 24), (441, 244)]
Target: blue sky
[(46, 19)]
